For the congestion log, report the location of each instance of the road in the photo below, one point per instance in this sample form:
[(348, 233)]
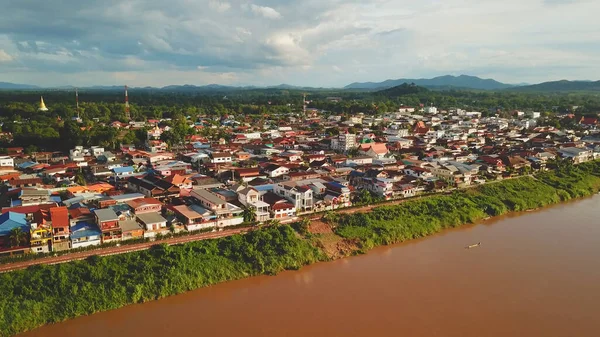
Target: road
[(118, 250)]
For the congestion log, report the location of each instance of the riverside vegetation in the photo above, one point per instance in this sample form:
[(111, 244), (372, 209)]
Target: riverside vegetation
[(42, 294)]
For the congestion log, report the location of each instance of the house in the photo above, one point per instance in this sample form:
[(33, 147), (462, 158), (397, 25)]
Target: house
[(40, 233), (123, 171), (374, 150), (209, 200), (6, 161), (381, 187), (152, 186), (248, 195), (280, 208), (220, 157), (417, 172), (153, 223), (407, 190), (131, 229), (60, 228), (8, 222), (575, 154), (183, 182), (251, 197), (195, 217), (85, 234), (274, 170), (29, 182), (337, 194), (79, 213), (300, 196), (30, 197), (108, 222), (145, 205)]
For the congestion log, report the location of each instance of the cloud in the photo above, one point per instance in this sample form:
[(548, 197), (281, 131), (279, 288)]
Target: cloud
[(219, 6), (295, 42), (4, 56), (265, 11)]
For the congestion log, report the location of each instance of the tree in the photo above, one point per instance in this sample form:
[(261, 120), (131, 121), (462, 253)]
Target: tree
[(249, 214), (17, 237), (80, 179)]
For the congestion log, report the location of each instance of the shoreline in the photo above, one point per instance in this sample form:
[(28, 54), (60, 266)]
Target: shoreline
[(294, 252)]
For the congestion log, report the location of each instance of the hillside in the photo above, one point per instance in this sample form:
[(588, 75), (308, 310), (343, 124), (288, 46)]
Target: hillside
[(462, 81), (401, 90), (16, 86), (558, 86)]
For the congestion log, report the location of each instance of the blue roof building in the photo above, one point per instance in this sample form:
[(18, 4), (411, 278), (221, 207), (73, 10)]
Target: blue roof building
[(11, 220)]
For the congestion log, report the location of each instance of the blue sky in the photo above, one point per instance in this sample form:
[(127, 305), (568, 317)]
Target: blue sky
[(309, 42)]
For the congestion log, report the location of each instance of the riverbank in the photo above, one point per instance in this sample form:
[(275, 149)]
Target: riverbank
[(47, 294)]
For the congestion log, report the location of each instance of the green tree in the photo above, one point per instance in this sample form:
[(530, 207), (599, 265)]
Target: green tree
[(249, 214), (17, 237)]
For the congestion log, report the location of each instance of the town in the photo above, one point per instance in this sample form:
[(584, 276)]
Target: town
[(285, 167)]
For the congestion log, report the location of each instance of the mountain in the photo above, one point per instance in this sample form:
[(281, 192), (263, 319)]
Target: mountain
[(448, 81), (402, 89), (564, 85), (13, 86)]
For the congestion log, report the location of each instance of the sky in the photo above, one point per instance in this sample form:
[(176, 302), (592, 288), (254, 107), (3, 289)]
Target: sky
[(319, 43)]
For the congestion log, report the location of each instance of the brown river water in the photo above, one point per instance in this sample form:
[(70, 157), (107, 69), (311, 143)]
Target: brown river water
[(535, 274)]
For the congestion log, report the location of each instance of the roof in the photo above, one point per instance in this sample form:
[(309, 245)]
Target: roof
[(28, 209), (282, 205), (106, 214), (129, 225), (11, 220), (31, 192), (150, 218), (123, 169), (79, 212), (221, 155), (59, 216), (379, 148), (84, 229), (204, 194), (192, 212), (142, 202)]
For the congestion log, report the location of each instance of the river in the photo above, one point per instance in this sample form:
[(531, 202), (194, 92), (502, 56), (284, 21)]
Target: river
[(535, 274)]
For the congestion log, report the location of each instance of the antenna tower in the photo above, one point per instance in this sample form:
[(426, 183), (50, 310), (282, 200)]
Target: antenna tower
[(127, 114), (304, 105), (77, 102)]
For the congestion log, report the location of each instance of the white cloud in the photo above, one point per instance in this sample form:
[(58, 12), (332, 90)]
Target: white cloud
[(298, 42), (5, 57), (219, 6), (267, 12)]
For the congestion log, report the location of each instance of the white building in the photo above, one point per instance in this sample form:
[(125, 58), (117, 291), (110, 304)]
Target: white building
[(344, 142), (300, 196), (431, 110), (7, 161)]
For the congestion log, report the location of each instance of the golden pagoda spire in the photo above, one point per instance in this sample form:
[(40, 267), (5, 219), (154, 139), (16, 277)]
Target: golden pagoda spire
[(42, 105)]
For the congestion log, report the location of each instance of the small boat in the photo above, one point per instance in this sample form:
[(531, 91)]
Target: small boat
[(473, 246)]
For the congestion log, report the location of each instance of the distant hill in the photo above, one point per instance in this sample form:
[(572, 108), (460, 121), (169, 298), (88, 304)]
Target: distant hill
[(14, 86), (448, 81), (557, 86), (402, 89)]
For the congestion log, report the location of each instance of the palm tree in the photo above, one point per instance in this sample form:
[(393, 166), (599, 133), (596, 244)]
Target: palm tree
[(249, 214), (17, 237)]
